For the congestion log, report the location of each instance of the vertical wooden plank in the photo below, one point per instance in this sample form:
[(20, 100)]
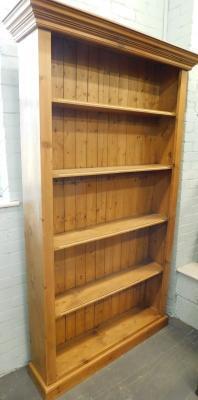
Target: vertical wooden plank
[(112, 152), (60, 331), (69, 137), (169, 79), (70, 204), (81, 94), (98, 313), (123, 80), (70, 68), (59, 264), (81, 139), (89, 317), (122, 302), (157, 237), (80, 322), (90, 262), (140, 83), (142, 244), (121, 140), (181, 102), (45, 96), (92, 140), (107, 308), (108, 265), (81, 203), (116, 253), (70, 268), (93, 75), (130, 140), (100, 259), (113, 78), (70, 326), (82, 71), (36, 134), (58, 162), (126, 250), (133, 68), (104, 70), (57, 138), (115, 304), (80, 265), (103, 122), (110, 202), (58, 207), (91, 199), (57, 66), (164, 141), (101, 199), (161, 192)]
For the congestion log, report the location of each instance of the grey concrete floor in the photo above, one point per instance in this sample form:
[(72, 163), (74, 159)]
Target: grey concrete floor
[(164, 367)]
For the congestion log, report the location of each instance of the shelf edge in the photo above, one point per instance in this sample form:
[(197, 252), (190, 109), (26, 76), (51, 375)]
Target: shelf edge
[(110, 293)]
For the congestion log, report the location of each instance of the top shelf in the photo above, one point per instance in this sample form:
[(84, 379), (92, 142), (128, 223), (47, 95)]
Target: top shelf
[(82, 105)]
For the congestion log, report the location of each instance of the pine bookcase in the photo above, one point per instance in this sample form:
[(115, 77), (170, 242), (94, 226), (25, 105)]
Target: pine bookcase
[(102, 109)]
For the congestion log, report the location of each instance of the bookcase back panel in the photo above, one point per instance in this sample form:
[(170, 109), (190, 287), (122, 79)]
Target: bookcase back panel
[(87, 201), (80, 265), (92, 316), (84, 72), (80, 322), (93, 139)]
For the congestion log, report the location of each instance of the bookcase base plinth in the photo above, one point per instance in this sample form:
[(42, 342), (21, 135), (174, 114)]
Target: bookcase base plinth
[(79, 373)]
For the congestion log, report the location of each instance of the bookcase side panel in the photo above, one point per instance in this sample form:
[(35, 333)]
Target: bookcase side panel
[(178, 135), (36, 150)]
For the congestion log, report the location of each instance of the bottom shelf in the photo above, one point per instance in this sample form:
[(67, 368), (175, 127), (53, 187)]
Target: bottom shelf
[(85, 356), (107, 342)]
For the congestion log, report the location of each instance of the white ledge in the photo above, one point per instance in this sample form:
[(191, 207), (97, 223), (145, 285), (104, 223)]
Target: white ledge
[(190, 270), (8, 204)]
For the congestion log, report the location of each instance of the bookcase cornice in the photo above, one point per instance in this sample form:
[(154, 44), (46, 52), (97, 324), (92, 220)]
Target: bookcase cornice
[(53, 16)]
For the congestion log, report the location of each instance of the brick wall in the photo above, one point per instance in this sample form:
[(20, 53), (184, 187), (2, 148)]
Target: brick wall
[(13, 300), (183, 294)]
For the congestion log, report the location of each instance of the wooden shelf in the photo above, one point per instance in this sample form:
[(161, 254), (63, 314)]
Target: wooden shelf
[(99, 232), (83, 105), (74, 172), (109, 341), (81, 297)]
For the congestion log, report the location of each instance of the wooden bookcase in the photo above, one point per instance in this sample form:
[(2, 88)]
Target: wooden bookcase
[(102, 111)]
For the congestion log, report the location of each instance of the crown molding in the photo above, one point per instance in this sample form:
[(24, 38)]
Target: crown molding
[(28, 15)]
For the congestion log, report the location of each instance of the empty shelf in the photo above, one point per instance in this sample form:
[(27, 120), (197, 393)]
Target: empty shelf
[(73, 172), (103, 231), (82, 105), (107, 342), (82, 296)]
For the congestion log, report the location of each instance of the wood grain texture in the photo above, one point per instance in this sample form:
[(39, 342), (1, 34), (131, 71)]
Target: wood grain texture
[(90, 293), (110, 229), (112, 335), (36, 133), (101, 199), (102, 112), (70, 172), (82, 105), (53, 16), (179, 129)]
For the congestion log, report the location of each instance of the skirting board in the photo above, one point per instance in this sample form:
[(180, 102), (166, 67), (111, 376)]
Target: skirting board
[(66, 382)]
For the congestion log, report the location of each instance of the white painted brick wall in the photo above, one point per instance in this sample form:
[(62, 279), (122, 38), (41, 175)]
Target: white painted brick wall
[(182, 18), (14, 349)]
